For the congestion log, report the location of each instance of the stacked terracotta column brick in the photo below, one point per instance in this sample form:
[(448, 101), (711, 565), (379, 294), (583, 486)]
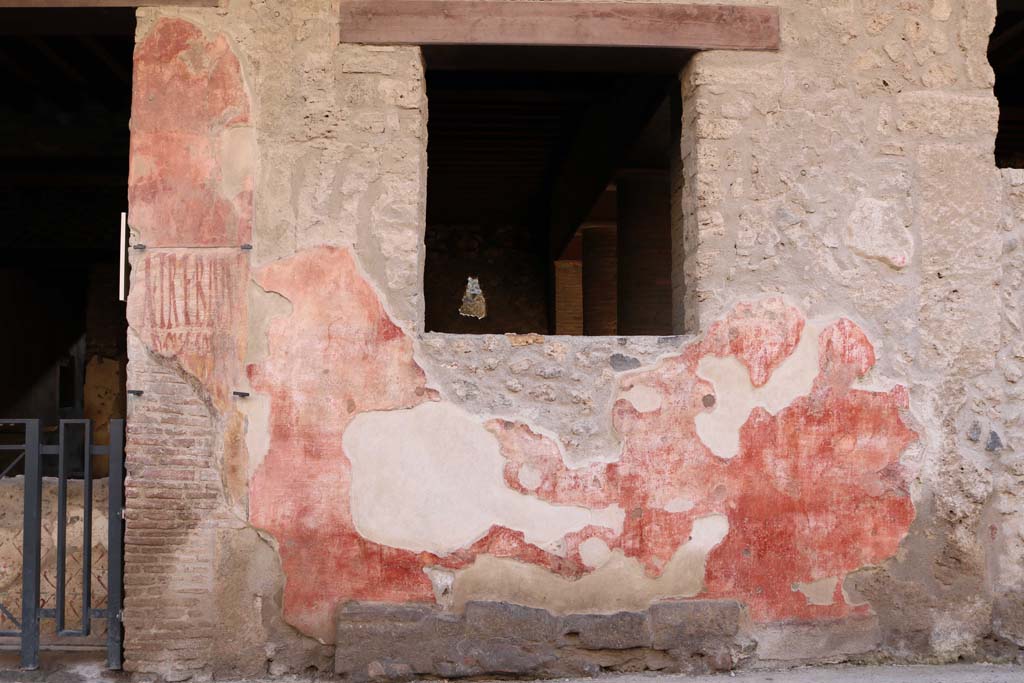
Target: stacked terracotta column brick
[(172, 495), (568, 297), (600, 277)]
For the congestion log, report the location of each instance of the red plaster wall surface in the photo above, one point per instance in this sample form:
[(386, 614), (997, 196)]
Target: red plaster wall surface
[(187, 94), (816, 491), (190, 199)]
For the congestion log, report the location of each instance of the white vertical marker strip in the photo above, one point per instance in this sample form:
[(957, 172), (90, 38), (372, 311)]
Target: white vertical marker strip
[(124, 250)]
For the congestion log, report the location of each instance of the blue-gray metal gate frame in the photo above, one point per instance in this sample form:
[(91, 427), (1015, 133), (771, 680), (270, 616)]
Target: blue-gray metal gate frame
[(31, 454)]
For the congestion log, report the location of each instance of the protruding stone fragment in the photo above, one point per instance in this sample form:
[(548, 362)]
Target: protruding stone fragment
[(994, 443), (876, 231), (621, 362), (974, 433)]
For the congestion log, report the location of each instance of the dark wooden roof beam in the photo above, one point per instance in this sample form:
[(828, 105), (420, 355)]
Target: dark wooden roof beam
[(591, 24)]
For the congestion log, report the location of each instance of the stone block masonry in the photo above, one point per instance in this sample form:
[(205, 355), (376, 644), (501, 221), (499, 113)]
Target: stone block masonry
[(399, 642)]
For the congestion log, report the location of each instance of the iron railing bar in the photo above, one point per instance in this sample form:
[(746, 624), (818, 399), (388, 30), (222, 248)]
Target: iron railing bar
[(13, 463), (100, 450), (7, 613), (72, 633), (10, 634), (47, 613), (12, 447), (49, 450), (62, 519), (30, 549), (87, 527), (115, 545)]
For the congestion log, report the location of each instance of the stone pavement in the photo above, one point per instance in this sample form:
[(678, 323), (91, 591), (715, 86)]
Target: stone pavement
[(79, 669), (955, 673)]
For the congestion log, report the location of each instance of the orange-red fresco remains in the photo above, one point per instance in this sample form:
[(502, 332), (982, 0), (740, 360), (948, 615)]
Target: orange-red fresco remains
[(187, 95), (816, 491)]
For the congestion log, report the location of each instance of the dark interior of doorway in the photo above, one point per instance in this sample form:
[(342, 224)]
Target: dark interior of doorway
[(1006, 54), (528, 151), (63, 185)]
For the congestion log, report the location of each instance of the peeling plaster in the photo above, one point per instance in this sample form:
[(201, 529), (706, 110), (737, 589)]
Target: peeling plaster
[(594, 552), (820, 592), (619, 583), (815, 488), (530, 478), (430, 479), (643, 398), (442, 581), (256, 409), (736, 396)]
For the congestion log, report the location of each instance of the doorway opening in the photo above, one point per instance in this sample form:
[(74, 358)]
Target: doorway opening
[(64, 149), (64, 164)]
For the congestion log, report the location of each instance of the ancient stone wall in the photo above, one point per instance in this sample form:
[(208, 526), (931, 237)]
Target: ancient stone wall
[(1001, 430), (832, 448)]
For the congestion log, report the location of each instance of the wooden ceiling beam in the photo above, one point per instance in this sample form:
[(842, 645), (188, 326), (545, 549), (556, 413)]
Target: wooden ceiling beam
[(554, 23)]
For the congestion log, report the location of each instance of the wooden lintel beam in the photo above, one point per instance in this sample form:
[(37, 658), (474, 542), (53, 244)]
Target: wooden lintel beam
[(45, 4), (555, 23), (608, 130)]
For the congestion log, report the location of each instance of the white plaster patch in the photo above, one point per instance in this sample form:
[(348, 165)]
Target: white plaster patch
[(530, 478), (256, 409), (620, 583), (594, 552), (821, 592), (679, 505), (643, 398), (442, 581), (431, 479), (736, 396)]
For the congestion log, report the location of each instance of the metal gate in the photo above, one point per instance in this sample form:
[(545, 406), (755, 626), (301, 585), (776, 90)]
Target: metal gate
[(36, 458)]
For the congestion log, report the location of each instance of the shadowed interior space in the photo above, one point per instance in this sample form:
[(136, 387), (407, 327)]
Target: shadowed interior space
[(550, 191), (64, 170)]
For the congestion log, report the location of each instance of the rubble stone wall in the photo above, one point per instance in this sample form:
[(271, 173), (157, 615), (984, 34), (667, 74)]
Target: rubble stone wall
[(831, 447)]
